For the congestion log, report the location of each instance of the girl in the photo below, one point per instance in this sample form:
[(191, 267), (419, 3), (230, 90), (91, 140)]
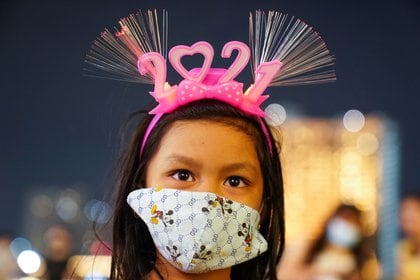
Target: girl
[(408, 248), (207, 146), (341, 250), (200, 189)]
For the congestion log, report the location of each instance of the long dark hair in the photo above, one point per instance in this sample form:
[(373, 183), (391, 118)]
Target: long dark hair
[(134, 253)]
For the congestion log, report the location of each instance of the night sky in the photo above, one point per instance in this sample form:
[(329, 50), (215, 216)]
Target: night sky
[(60, 128)]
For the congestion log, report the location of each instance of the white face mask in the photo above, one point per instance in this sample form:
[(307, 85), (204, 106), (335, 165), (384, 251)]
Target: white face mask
[(199, 231), (342, 233)]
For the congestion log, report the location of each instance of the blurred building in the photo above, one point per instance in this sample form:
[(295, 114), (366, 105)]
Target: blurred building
[(351, 160)]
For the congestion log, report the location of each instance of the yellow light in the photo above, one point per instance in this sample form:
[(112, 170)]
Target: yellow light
[(90, 266), (367, 144)]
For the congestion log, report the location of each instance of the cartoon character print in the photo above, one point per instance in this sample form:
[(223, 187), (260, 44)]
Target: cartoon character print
[(203, 254), (245, 231), (173, 251), (226, 205), (160, 215)]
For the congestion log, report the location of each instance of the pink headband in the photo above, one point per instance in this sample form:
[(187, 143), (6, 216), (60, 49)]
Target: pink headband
[(276, 41), (206, 82)]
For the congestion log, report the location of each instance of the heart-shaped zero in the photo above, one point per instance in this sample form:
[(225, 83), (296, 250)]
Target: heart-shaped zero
[(203, 48)]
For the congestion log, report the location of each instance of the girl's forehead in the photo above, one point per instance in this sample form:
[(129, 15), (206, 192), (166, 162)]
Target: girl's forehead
[(196, 129), (202, 137)]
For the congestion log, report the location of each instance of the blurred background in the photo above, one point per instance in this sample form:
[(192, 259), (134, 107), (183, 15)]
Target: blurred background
[(352, 142)]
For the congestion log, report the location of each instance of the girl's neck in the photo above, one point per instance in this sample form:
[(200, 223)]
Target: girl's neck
[(168, 271)]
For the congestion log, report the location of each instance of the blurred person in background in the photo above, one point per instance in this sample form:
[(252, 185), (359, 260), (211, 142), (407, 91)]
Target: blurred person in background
[(408, 250), (58, 241), (338, 253), (8, 265)]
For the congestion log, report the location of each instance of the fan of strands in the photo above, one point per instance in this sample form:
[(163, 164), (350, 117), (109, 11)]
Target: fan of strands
[(114, 55), (305, 57), (273, 35)]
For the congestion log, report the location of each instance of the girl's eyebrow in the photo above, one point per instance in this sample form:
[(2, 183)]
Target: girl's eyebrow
[(175, 158), (240, 165)]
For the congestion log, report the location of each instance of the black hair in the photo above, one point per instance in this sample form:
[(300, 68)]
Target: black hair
[(134, 253), (411, 196)]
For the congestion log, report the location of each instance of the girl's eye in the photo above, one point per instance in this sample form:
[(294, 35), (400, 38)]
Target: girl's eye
[(235, 181), (182, 175)]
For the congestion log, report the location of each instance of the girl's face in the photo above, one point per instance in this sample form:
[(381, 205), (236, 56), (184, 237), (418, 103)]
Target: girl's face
[(207, 156), (410, 217)]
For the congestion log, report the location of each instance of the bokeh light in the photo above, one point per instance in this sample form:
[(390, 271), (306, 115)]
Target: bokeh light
[(353, 120), (67, 208), (95, 277), (29, 261), (90, 267), (367, 144), (99, 247), (98, 211), (42, 206), (276, 114), (19, 245)]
